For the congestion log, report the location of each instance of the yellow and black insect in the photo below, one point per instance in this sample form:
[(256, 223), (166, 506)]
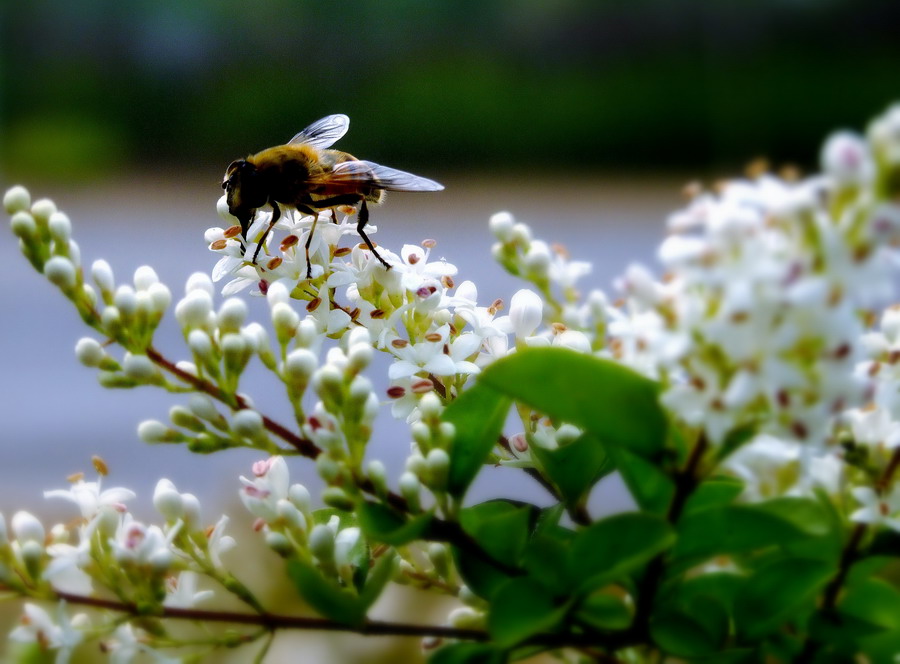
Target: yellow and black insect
[(305, 175)]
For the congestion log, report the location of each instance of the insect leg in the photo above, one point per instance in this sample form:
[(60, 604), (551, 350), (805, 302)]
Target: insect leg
[(309, 242), (363, 218), (276, 213)]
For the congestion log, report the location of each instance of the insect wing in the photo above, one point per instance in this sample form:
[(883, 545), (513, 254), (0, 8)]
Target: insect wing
[(382, 177), (323, 133)]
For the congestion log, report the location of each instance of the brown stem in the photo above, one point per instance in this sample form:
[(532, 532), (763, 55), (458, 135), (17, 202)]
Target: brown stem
[(303, 445), (849, 555), (578, 513), (685, 483), (273, 621), (444, 531)]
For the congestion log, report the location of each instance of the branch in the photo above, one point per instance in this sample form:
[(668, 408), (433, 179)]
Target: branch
[(443, 531), (578, 513), (304, 446), (685, 483), (274, 621), (849, 555)]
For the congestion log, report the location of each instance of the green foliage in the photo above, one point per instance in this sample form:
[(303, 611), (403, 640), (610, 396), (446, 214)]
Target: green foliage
[(380, 523), (575, 468), (478, 415), (616, 405), (337, 603)]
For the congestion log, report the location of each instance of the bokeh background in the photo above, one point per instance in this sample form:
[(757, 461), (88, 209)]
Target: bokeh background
[(583, 118)]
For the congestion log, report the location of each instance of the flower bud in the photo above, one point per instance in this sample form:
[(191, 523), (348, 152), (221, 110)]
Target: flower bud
[(285, 321), (138, 367), (23, 225), (235, 352), (329, 383), (89, 352), (247, 423), (520, 234), (378, 475), (200, 344), (359, 357), (526, 310), (103, 276), (292, 516), (430, 406), (16, 199), (359, 336), (321, 543), (439, 557), (191, 505), (343, 545), (184, 418), (328, 469), (167, 501), (125, 301), (446, 432), (278, 293), (232, 314), (464, 617), (60, 227), (27, 528), (299, 496), (60, 271), (409, 489), (161, 297), (154, 431), (336, 497), (279, 543), (193, 309), (421, 434), (200, 281), (144, 277), (306, 334), (501, 225), (299, 367), (438, 468)]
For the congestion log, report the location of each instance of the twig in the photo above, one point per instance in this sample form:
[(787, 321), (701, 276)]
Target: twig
[(442, 531), (849, 555)]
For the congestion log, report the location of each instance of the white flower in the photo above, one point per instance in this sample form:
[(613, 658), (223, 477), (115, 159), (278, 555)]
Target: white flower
[(182, 592), (877, 509), (91, 500), (526, 310), (436, 356), (128, 644), (62, 636), (270, 484)]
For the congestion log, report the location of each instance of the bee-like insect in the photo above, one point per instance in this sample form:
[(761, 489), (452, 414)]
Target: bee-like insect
[(305, 175)]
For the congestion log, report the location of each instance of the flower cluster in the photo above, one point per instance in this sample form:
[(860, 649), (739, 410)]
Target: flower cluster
[(759, 353)]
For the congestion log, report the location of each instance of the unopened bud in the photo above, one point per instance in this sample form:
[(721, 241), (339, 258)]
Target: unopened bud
[(167, 501), (336, 497), (60, 271), (89, 352), (16, 199), (247, 423), (321, 543)]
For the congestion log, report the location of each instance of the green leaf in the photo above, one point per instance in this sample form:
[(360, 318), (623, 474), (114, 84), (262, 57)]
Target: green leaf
[(480, 576), (784, 590), (874, 600), (651, 488), (323, 595), (605, 611), (478, 415), (521, 608), (468, 653), (380, 523), (732, 529), (378, 578), (698, 626), (617, 405), (546, 558), (615, 547), (502, 527), (576, 467), (714, 492)]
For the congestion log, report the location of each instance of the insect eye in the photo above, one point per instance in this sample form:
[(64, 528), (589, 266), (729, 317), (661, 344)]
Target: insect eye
[(225, 185)]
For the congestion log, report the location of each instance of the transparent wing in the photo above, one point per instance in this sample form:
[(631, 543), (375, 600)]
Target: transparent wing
[(381, 177), (323, 133)]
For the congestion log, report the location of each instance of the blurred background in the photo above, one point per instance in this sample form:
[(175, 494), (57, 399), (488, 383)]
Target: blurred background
[(583, 118)]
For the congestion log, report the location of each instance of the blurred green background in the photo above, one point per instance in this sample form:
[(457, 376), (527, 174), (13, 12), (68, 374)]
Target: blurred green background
[(92, 86)]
